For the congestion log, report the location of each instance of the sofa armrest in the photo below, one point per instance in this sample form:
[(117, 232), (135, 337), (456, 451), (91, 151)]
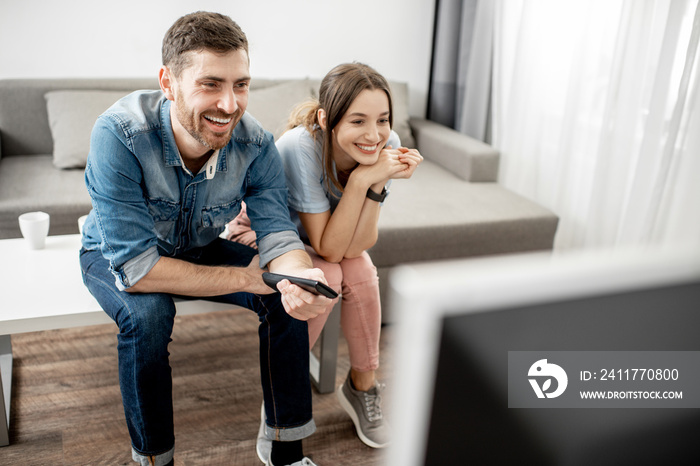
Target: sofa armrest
[(466, 157)]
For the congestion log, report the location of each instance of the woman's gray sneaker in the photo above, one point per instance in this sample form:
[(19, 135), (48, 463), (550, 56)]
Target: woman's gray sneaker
[(365, 410)]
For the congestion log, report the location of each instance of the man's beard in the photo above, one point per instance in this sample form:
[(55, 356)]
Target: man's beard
[(196, 128)]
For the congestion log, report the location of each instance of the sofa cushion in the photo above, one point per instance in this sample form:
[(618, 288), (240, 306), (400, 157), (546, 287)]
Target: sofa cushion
[(23, 116), (436, 215), (272, 105), (72, 115), (31, 182)]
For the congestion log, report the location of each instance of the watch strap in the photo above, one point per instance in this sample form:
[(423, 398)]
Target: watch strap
[(377, 197)]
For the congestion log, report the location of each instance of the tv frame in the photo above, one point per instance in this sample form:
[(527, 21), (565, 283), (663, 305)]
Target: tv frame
[(422, 295)]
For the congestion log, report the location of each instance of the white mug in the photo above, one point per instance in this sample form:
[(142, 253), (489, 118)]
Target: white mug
[(35, 228), (81, 222)]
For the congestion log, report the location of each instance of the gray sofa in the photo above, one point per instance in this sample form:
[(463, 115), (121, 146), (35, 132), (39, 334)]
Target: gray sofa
[(453, 206)]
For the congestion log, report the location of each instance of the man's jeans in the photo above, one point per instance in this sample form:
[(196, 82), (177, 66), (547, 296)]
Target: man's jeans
[(145, 324)]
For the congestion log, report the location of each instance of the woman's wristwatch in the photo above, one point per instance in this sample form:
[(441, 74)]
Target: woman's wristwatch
[(378, 197)]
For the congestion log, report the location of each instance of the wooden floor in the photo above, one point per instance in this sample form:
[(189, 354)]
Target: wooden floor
[(67, 408)]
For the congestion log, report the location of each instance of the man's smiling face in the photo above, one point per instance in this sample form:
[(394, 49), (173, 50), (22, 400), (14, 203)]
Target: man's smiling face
[(209, 99)]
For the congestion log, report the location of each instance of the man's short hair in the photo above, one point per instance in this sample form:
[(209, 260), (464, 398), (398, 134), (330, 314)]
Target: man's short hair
[(197, 31)]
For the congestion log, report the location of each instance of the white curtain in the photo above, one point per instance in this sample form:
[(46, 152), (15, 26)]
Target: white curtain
[(596, 110)]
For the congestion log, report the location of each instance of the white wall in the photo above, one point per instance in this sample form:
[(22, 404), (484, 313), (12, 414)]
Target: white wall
[(92, 38)]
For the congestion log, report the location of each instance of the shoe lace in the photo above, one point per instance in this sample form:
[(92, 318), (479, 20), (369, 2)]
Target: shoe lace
[(373, 404)]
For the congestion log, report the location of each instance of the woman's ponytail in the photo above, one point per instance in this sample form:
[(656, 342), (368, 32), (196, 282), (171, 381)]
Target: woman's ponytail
[(305, 114)]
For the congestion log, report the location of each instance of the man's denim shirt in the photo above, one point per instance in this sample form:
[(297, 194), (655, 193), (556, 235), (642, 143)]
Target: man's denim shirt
[(146, 204)]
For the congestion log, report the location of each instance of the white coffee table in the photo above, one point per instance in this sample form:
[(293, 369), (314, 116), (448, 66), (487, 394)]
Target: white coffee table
[(43, 290)]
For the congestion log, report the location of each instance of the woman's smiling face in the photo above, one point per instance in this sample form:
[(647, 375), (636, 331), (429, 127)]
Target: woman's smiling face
[(363, 131)]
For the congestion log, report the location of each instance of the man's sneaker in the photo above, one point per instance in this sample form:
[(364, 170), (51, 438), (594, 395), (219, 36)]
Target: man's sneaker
[(263, 446), (304, 462), (365, 410)]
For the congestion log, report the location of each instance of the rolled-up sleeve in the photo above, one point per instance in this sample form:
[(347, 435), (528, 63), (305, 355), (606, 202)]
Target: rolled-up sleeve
[(135, 269), (276, 244)]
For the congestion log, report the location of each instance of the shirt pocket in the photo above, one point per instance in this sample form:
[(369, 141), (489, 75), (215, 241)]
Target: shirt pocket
[(215, 218), (165, 214)]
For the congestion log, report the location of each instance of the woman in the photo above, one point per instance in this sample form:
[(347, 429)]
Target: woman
[(339, 160)]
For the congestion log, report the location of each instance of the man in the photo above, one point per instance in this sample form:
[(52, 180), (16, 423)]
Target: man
[(166, 172)]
